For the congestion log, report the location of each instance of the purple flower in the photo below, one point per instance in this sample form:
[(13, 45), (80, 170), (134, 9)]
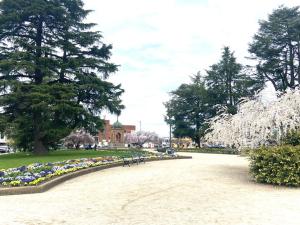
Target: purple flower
[(25, 179), (7, 179), (22, 168), (43, 173), (68, 166), (37, 175)]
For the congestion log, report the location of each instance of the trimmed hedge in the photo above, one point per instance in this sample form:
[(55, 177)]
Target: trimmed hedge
[(229, 151), (278, 165), (292, 138)]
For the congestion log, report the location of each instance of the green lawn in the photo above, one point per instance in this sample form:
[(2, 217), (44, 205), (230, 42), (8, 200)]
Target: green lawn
[(23, 159)]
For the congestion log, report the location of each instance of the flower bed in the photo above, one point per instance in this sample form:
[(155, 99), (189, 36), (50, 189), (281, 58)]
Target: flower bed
[(37, 173)]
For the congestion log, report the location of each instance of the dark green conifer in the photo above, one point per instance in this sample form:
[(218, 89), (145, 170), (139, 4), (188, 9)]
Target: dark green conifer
[(53, 72)]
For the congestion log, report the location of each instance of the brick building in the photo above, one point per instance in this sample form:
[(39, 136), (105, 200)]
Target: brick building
[(114, 134)]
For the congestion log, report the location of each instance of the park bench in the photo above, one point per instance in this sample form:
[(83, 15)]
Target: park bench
[(135, 159), (141, 159), (171, 152), (126, 162)]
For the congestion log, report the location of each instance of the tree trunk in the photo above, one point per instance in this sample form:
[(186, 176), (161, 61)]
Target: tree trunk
[(271, 80), (38, 54), (63, 68), (198, 136), (39, 147), (291, 65), (284, 74), (230, 90), (298, 53)]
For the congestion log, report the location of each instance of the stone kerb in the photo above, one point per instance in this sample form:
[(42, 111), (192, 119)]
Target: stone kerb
[(58, 180)]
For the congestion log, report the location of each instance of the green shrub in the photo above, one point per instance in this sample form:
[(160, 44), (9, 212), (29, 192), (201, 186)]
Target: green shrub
[(276, 165), (230, 151), (245, 152), (292, 138)]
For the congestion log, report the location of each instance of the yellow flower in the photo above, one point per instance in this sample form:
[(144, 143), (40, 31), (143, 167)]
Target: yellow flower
[(37, 181), (15, 183)]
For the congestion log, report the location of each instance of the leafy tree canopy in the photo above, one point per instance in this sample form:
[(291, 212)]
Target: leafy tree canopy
[(53, 72), (276, 46), (188, 108), (228, 81), (192, 105)]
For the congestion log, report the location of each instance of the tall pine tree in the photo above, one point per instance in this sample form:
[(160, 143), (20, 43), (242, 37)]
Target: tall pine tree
[(192, 105), (53, 72), (276, 47), (227, 82)]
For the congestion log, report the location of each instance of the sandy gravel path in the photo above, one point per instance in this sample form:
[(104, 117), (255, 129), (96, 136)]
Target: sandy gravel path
[(209, 189)]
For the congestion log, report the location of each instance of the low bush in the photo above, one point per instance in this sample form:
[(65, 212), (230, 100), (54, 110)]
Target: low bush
[(278, 165), (245, 152), (292, 138), (230, 151)]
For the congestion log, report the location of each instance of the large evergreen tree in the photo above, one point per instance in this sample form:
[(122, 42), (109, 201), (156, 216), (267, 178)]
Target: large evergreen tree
[(227, 82), (53, 72), (188, 108), (276, 46), (192, 105)]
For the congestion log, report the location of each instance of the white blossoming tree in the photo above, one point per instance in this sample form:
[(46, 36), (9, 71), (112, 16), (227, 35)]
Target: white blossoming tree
[(141, 137), (78, 137), (257, 122)]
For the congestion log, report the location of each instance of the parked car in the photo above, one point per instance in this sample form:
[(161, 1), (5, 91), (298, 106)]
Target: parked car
[(4, 149), (216, 146)]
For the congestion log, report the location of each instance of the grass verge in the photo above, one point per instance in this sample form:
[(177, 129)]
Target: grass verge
[(24, 159)]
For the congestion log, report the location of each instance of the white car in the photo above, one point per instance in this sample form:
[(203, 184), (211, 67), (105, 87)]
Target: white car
[(4, 149)]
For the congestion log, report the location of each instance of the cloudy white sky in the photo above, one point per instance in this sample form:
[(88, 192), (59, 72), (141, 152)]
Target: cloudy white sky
[(160, 43)]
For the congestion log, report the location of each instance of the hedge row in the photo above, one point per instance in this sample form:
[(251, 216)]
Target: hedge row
[(211, 150), (278, 165)]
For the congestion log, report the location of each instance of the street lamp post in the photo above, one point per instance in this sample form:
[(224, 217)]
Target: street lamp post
[(170, 138), (168, 121)]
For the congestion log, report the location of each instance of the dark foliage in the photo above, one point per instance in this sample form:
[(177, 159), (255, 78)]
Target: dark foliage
[(53, 70)]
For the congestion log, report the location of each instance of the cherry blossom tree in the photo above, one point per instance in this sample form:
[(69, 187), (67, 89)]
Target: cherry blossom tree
[(257, 122), (78, 137), (141, 137)]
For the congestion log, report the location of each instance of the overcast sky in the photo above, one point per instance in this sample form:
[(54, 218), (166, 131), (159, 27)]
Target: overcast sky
[(161, 43)]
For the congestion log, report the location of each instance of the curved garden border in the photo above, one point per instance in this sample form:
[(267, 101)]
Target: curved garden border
[(58, 180)]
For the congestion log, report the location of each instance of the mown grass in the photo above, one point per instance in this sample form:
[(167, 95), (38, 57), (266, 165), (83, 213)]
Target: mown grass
[(23, 159)]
